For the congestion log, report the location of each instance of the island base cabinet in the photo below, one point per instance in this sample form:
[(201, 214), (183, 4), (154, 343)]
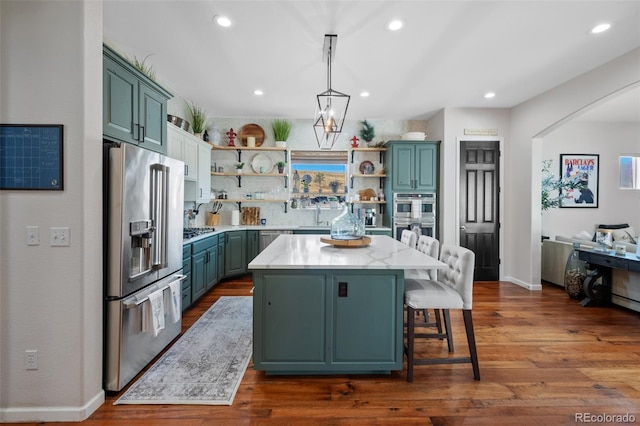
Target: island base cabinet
[(321, 322)]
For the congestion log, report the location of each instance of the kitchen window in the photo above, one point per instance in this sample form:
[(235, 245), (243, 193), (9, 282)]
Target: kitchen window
[(319, 174)]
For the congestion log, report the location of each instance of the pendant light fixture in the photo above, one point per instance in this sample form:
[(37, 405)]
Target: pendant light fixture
[(332, 105)]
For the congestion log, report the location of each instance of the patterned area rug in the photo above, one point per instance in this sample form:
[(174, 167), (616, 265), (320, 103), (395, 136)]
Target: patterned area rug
[(206, 365)]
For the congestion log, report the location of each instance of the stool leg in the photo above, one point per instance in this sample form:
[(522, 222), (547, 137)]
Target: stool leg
[(471, 339), (447, 327)]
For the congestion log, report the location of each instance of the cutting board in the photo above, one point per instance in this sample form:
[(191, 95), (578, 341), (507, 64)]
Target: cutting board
[(250, 215)]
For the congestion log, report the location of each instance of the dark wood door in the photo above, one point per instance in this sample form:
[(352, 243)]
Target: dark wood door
[(479, 196)]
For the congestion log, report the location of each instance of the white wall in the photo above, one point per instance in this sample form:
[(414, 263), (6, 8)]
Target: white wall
[(615, 205), (531, 121), (50, 297)]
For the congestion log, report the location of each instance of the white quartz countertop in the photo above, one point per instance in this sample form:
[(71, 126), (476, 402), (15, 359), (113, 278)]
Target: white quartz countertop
[(308, 252)]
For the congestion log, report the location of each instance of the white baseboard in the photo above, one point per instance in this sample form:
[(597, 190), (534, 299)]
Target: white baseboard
[(532, 287), (52, 414)]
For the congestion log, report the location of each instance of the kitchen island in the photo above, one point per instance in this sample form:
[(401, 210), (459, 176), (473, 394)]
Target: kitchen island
[(319, 309)]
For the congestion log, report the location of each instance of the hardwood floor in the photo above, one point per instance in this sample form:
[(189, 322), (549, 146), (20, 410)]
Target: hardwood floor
[(544, 360)]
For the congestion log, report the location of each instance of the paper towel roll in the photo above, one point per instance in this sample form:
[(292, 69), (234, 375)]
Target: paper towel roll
[(235, 217)]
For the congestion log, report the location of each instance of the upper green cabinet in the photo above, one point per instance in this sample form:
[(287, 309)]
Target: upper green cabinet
[(413, 165), (134, 107)]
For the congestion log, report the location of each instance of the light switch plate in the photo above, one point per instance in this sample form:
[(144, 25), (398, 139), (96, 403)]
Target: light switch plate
[(33, 235), (60, 237)]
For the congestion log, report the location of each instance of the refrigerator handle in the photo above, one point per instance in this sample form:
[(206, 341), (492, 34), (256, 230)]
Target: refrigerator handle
[(159, 212)]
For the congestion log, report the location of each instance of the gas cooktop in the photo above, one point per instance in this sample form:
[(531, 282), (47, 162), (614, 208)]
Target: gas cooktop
[(194, 232)]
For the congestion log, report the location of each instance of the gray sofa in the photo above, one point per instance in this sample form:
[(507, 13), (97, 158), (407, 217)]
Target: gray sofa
[(625, 285)]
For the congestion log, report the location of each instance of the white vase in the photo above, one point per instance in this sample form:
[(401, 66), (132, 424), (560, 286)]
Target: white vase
[(281, 144), (239, 171)]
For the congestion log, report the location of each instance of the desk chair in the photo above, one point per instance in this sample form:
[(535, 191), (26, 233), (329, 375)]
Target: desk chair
[(452, 290)]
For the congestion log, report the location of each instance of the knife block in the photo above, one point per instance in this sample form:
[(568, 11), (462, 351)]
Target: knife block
[(213, 219)]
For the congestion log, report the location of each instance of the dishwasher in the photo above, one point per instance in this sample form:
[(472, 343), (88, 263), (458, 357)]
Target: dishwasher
[(267, 237)]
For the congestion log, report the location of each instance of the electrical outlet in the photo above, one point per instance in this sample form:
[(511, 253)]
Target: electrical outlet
[(31, 359), (60, 237), (33, 235)]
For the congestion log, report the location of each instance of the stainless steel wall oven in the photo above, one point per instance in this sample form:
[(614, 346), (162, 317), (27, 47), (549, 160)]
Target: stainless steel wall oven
[(414, 211)]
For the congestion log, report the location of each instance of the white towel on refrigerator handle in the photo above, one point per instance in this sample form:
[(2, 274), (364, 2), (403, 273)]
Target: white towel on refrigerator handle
[(153, 313), (416, 209), (175, 300)]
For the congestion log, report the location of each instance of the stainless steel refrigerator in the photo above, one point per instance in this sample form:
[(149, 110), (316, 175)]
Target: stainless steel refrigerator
[(144, 200)]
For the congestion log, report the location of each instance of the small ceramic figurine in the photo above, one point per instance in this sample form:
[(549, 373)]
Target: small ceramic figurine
[(354, 142), (232, 136)]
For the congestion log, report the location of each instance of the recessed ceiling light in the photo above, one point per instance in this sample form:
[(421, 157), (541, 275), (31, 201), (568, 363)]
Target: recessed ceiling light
[(395, 25), (600, 28), (364, 94), (489, 95), (258, 92), (222, 20)]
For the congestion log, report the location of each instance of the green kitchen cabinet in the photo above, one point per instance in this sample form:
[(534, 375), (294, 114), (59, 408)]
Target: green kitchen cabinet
[(221, 267), (134, 107), (204, 266), (235, 253), (370, 231), (413, 166), (186, 271), (333, 331), (253, 245)]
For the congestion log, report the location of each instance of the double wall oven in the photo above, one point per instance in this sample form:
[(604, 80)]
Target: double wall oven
[(416, 212)]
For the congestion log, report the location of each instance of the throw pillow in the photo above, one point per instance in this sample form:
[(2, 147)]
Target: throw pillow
[(625, 234), (582, 235)]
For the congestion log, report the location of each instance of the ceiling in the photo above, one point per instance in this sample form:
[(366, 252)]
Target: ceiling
[(448, 54)]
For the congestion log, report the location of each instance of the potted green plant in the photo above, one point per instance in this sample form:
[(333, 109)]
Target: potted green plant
[(199, 121), (281, 130), (280, 165), (319, 180), (367, 132), (239, 167)]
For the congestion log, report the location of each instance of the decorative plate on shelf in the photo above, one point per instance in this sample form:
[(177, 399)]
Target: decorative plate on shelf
[(367, 168), (262, 163), (252, 130)]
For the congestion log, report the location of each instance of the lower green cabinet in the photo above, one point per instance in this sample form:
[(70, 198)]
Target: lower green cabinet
[(221, 271), (253, 245), (204, 266), (235, 253), (186, 271)]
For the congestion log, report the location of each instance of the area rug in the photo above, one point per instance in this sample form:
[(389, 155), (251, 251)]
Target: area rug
[(206, 365)]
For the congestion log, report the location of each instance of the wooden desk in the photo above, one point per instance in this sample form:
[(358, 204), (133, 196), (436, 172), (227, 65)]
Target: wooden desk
[(597, 285), (318, 309)]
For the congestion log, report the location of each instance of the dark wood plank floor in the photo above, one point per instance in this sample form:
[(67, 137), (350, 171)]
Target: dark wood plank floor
[(544, 360)]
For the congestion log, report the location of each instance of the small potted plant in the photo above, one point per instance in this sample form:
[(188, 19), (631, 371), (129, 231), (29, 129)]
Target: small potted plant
[(305, 185), (334, 184), (281, 130), (367, 132), (280, 165), (199, 121), (239, 167)]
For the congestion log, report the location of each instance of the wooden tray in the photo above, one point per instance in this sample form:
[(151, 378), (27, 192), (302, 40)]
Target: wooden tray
[(252, 130), (362, 242)]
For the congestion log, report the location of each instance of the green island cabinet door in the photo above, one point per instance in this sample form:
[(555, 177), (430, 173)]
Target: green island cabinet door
[(349, 321), (134, 107), (414, 166), (235, 253)]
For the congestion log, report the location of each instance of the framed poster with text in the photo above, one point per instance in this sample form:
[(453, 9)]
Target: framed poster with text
[(583, 170)]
